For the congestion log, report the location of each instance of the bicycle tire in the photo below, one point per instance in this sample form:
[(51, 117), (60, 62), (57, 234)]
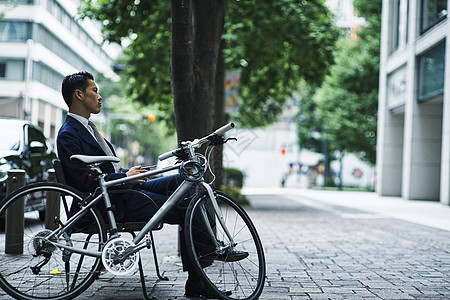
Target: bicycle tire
[(66, 274), (244, 279)]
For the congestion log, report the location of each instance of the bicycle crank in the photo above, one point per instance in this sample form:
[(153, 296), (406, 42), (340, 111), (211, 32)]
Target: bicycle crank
[(116, 259)]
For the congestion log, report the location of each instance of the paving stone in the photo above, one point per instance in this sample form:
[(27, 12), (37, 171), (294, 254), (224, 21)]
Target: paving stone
[(328, 252)]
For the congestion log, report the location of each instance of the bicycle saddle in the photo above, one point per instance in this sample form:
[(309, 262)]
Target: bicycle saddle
[(89, 159)]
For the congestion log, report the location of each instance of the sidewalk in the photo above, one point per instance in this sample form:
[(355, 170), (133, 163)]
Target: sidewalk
[(321, 245), (428, 213), (347, 245)]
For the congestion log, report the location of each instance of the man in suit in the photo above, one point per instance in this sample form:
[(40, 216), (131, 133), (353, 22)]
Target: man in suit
[(79, 136)]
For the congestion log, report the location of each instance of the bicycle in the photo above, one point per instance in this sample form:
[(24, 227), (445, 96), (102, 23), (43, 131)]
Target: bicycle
[(63, 260)]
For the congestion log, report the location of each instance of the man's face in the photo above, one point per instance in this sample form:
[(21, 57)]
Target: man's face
[(92, 99)]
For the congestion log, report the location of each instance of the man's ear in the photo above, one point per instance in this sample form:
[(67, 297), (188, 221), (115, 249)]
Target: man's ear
[(78, 94)]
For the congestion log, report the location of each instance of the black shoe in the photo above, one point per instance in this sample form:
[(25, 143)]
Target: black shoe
[(227, 256), (198, 289), (231, 255)]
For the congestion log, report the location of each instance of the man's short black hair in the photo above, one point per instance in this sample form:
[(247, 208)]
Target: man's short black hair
[(73, 82)]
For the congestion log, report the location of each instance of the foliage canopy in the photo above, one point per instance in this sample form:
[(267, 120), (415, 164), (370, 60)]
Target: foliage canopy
[(274, 44)]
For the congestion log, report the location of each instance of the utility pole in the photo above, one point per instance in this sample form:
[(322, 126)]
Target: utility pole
[(28, 75), (325, 156)]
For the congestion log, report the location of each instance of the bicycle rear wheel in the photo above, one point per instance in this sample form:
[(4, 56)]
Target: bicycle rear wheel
[(31, 266), (242, 279)]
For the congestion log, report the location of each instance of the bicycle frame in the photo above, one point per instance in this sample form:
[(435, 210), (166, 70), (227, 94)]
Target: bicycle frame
[(171, 201), (152, 223)]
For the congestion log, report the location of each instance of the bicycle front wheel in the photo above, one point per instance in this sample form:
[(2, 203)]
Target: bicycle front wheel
[(241, 277), (32, 266)]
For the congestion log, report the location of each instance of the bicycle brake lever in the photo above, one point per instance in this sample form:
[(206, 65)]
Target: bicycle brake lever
[(232, 138), (181, 154), (217, 140)]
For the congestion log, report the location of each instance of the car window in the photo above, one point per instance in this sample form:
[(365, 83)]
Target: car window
[(10, 136), (35, 135)]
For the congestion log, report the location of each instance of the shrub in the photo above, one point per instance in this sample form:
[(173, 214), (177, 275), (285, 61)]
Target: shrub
[(235, 193), (233, 177), (234, 181)]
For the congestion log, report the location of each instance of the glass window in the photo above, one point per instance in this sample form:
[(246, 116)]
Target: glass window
[(35, 137), (17, 31), (12, 69), (52, 43), (4, 31), (15, 69), (53, 131), (431, 72), (407, 21), (47, 76), (394, 9), (398, 24), (433, 11), (17, 1), (13, 31), (2, 69), (50, 4)]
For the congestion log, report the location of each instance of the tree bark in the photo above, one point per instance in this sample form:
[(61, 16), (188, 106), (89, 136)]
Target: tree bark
[(219, 113), (182, 54), (197, 27)]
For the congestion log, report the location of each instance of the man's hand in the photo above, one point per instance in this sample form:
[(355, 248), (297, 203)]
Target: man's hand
[(135, 171)]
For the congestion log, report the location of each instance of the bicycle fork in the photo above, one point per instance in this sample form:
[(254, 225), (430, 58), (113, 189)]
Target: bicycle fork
[(218, 213)]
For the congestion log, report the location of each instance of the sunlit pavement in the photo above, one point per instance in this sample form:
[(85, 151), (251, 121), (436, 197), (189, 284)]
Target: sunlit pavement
[(429, 213), (323, 245)]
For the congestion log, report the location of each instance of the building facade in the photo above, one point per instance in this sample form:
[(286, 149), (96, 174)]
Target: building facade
[(413, 147), (41, 41)]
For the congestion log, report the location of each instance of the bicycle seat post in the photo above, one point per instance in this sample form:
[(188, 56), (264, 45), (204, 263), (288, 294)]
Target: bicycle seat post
[(109, 210)]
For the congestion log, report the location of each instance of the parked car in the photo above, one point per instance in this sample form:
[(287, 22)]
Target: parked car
[(24, 146)]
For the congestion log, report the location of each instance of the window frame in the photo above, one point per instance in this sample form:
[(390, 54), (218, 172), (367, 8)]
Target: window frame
[(434, 22), (420, 73)]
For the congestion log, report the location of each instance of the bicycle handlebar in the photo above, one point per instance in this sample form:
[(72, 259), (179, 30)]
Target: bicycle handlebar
[(166, 155), (223, 129), (197, 143)]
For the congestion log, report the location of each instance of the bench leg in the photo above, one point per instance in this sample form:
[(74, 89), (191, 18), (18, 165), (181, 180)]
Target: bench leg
[(141, 268), (155, 258), (144, 288)]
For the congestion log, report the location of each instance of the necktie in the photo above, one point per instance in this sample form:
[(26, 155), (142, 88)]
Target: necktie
[(101, 141)]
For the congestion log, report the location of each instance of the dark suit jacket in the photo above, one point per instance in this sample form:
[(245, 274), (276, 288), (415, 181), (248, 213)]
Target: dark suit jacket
[(74, 138)]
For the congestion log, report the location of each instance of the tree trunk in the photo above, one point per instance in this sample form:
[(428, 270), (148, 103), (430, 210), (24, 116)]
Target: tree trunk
[(219, 114), (196, 31), (182, 62)]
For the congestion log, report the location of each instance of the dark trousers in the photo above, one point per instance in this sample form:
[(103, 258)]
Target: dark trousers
[(134, 207)]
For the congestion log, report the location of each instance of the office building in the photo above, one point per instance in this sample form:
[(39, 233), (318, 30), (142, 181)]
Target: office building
[(41, 41), (413, 147)]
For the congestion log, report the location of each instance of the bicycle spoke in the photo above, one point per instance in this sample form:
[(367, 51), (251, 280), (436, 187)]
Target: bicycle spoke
[(244, 278), (42, 271)]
